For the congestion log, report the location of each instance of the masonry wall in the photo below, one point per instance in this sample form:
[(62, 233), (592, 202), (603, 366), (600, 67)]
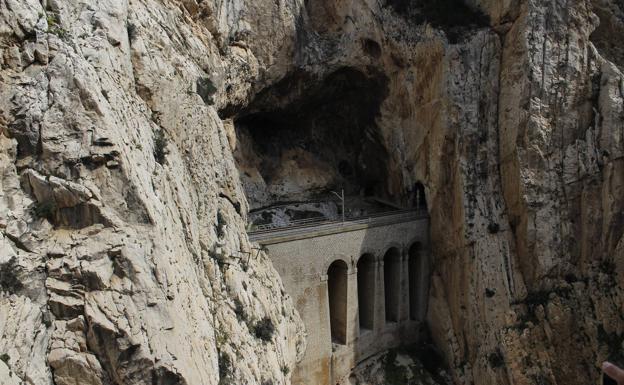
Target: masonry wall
[(303, 265)]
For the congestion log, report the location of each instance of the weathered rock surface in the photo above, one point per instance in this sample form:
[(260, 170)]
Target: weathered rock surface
[(123, 254), (114, 170)]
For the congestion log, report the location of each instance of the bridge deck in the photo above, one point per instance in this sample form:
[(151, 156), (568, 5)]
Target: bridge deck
[(317, 229)]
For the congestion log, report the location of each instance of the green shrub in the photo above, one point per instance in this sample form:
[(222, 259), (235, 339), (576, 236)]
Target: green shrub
[(52, 20), (225, 369), (131, 32), (54, 27), (160, 146), (8, 278), (206, 90), (239, 310), (264, 329)]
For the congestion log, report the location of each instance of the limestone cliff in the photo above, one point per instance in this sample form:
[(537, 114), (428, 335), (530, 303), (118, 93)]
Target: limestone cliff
[(124, 257), (134, 140)]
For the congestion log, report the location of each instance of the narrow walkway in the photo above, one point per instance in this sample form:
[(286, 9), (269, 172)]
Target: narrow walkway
[(316, 228)]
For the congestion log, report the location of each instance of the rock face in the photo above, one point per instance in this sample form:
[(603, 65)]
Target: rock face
[(124, 257), (123, 253)]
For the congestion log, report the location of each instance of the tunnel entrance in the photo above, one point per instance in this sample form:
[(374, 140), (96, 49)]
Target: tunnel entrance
[(305, 136), (337, 293), (366, 291), (392, 283), (418, 197)]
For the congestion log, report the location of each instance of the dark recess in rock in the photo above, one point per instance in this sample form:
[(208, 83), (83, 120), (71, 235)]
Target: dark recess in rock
[(493, 227), (332, 118), (454, 17), (611, 15), (8, 277), (371, 48), (496, 359)]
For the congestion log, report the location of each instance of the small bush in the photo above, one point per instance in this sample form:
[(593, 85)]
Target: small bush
[(393, 374), (264, 329), (131, 32), (54, 27), (225, 369), (160, 146), (5, 357), (285, 370), (496, 359), (46, 209), (239, 310), (206, 90), (52, 20), (217, 254), (493, 227), (607, 267), (8, 278), (221, 223), (613, 342)]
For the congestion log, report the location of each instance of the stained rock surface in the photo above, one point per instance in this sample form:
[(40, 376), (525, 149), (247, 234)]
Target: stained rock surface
[(128, 165)]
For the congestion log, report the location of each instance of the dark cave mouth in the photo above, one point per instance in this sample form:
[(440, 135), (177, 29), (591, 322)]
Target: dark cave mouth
[(304, 137)]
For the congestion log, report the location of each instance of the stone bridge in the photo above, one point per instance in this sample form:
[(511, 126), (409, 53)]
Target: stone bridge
[(360, 287)]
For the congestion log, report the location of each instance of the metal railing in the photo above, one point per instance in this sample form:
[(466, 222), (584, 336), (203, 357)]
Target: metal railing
[(315, 222)]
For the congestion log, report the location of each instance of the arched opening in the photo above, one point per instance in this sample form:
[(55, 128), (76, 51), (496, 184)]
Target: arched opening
[(420, 201), (392, 283), (337, 292), (414, 268), (366, 291)]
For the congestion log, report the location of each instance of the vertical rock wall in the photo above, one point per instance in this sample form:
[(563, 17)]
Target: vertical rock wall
[(124, 256)]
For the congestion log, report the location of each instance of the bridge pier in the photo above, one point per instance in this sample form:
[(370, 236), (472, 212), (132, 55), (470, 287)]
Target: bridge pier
[(404, 293)]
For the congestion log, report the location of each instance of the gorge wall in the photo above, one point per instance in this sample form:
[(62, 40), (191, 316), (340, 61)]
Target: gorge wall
[(124, 257)]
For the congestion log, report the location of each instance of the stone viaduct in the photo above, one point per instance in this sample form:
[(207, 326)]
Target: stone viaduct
[(360, 286)]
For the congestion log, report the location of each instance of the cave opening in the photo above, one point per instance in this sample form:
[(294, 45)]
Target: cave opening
[(305, 137)]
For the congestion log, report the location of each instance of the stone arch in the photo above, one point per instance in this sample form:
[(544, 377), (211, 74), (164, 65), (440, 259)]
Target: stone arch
[(392, 245), (369, 252), (337, 276), (339, 257), (366, 291), (415, 266), (392, 283)]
